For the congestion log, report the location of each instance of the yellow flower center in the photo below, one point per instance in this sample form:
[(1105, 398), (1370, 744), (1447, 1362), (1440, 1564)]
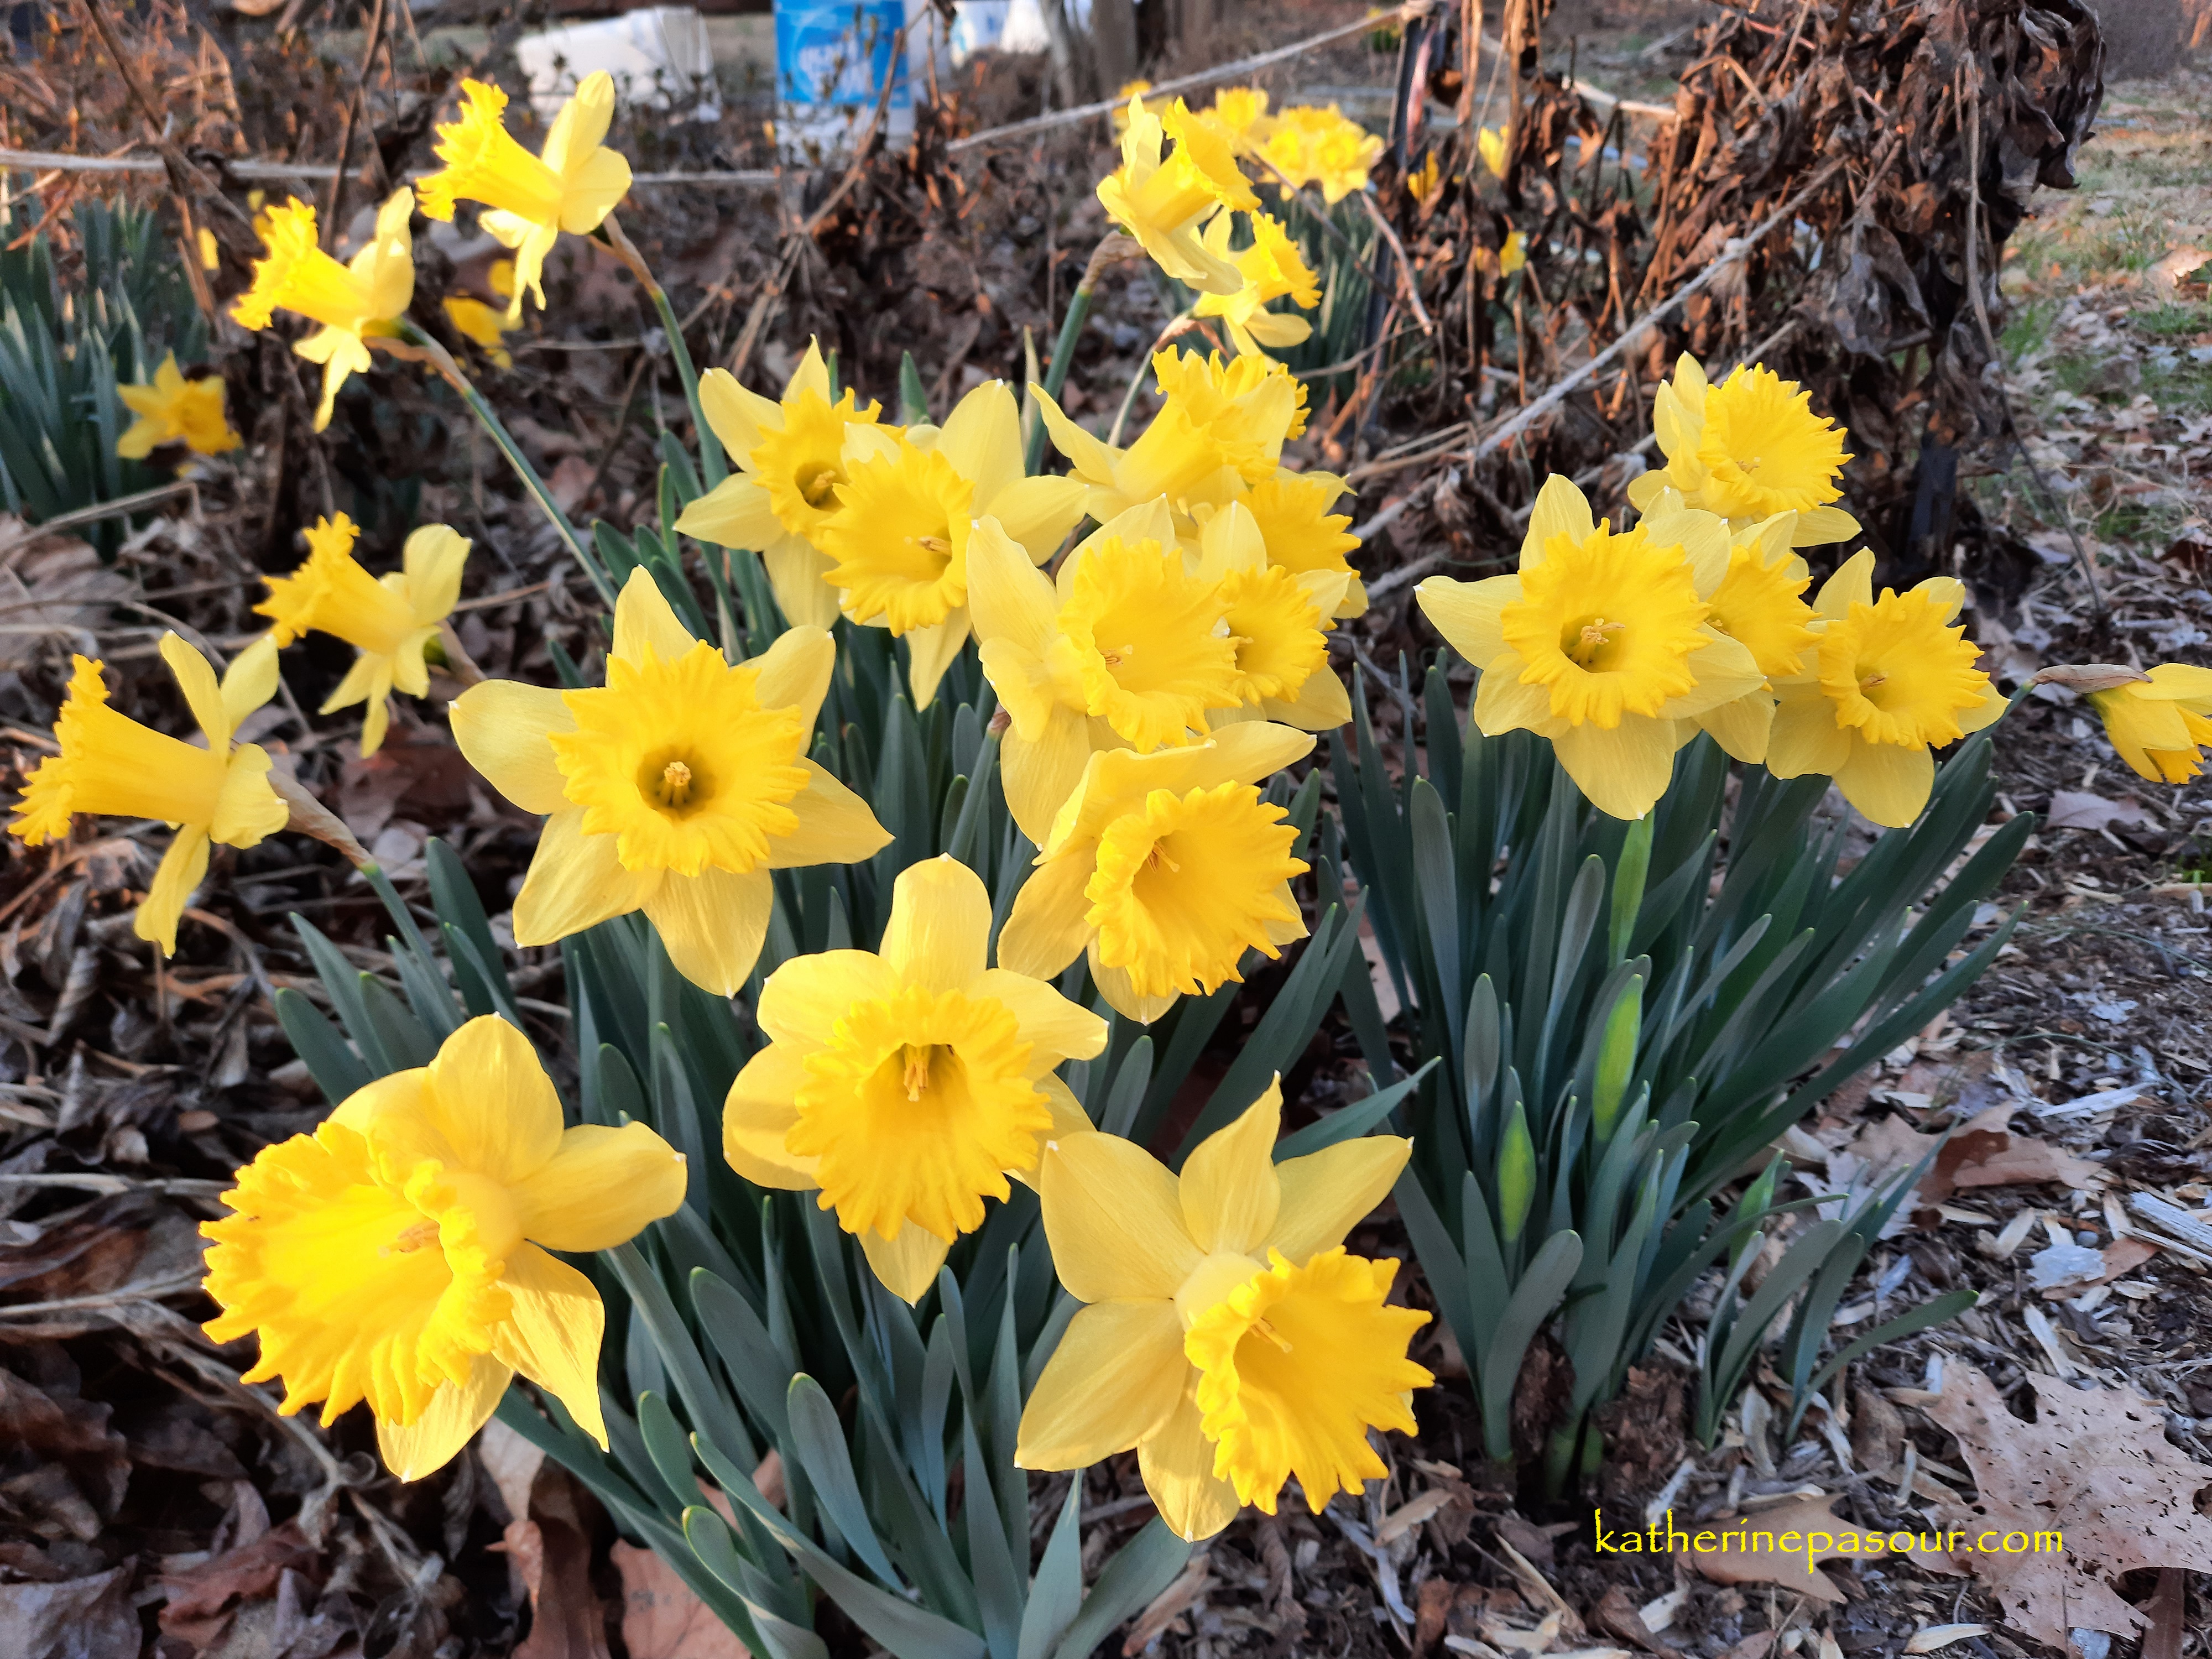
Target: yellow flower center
[(1148, 637), (917, 1108), (682, 761), (1764, 449), (900, 537), (295, 274), (1182, 888), (801, 463), (1608, 623), (1277, 632), (1897, 674), (483, 163), (1757, 605), (110, 764), (1295, 1364), (331, 593)]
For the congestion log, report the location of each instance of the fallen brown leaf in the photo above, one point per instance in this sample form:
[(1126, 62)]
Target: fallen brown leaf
[(662, 1619), (65, 1469), (75, 1619), (1766, 1554), (1985, 1153), (202, 1599), (2095, 1468), (1170, 1605)]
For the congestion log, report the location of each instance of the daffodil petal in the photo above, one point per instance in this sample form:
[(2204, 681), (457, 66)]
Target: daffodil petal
[(250, 680), (1804, 735), (247, 811), (983, 439), (794, 672), (1176, 1462), (939, 933), (448, 1424), (505, 730), (713, 924), (1038, 513), (1888, 783), (1041, 774), (1119, 987), (1817, 526), (552, 1336), (202, 695), (930, 651), (1623, 771), (601, 1187), (1742, 726), (1229, 1190), (1327, 1194), (1504, 702), (736, 513), (907, 1262), (644, 619), (758, 1113), (1118, 1373), (1115, 1220), (834, 826), (1054, 1028), (1008, 597), (1049, 925), (1852, 584), (575, 881), (1560, 510), (736, 417), (487, 1093), (804, 999), (179, 871), (1466, 613)]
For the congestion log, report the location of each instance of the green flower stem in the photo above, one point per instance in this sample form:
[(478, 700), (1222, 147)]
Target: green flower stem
[(413, 345), (1112, 251), (712, 470)]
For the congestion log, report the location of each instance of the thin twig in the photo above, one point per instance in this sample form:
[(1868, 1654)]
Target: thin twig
[(1405, 265)]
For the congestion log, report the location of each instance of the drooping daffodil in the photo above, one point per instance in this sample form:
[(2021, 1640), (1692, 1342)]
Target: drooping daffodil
[(674, 789), (2160, 721), (390, 620), (1164, 199), (904, 1084), (1226, 1334), (1747, 449), (1272, 268), (355, 302), (106, 762), (399, 1255), (174, 409)]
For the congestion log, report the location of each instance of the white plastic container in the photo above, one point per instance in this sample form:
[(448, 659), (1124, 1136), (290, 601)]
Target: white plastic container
[(659, 58)]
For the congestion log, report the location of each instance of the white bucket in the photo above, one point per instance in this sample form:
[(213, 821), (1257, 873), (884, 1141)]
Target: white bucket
[(659, 58)]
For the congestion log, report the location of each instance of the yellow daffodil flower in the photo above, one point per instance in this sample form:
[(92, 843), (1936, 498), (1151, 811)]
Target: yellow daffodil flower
[(210, 252), (1888, 680), (1220, 430), (1278, 623), (400, 1253), (790, 458), (354, 302), (1129, 89), (1128, 638), (174, 410), (1311, 146), (530, 200), (110, 764), (1271, 268), (1514, 255), (674, 790), (475, 320), (2159, 725), (899, 536), (904, 1084), (1165, 869), (1747, 449), (1162, 202), (388, 619), (1241, 113), (1227, 1335), (1600, 643), (1490, 144), (1758, 604), (1422, 182), (1302, 536)]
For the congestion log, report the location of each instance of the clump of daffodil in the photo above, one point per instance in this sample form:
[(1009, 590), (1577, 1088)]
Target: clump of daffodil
[(898, 538), (355, 302), (109, 764), (1165, 869), (400, 1253), (390, 620), (1888, 680), (674, 789), (1162, 202), (1302, 536), (2159, 721), (903, 1084), (1601, 642), (529, 200), (485, 324), (1220, 430), (1271, 268), (1747, 449), (1278, 623), (1227, 1334), (174, 409), (1311, 146), (1128, 645), (790, 458)]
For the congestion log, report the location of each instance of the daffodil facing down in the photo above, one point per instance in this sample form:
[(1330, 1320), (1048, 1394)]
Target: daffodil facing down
[(1163, 202), (174, 409), (1227, 1334), (529, 200), (355, 302), (790, 458), (1302, 536), (1220, 430), (1272, 268), (390, 620), (1278, 624), (108, 764), (400, 1253), (2160, 723), (674, 789), (1747, 449), (1887, 681), (903, 1084), (486, 324), (1165, 869), (1601, 642), (1129, 646), (899, 536)]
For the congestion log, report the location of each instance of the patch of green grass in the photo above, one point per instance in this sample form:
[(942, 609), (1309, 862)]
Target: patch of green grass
[(2028, 327), (2177, 317)]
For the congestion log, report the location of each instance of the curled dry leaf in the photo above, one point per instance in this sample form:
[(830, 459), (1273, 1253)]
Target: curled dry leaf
[(1986, 1154), (2083, 678), (2095, 1471)]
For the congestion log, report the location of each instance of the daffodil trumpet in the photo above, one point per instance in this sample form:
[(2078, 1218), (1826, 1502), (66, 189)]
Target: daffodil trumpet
[(674, 789), (401, 1255), (906, 1084), (1227, 1334)]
